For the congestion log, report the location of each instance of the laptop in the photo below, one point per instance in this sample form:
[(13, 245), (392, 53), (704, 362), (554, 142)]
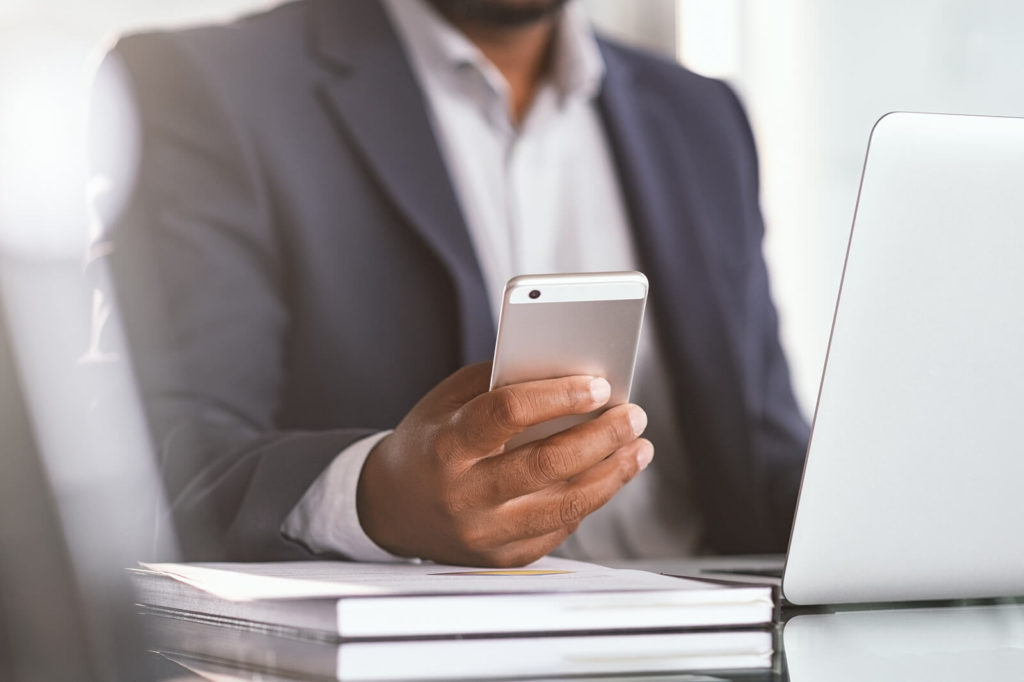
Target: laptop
[(914, 483)]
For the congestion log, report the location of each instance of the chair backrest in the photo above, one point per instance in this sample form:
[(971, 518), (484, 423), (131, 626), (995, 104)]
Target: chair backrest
[(39, 608), (80, 500)]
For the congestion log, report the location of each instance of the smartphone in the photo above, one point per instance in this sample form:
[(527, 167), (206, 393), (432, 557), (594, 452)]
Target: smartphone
[(569, 324)]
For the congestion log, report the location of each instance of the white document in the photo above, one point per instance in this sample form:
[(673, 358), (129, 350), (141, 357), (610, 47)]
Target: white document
[(363, 600), (453, 659), (323, 579)]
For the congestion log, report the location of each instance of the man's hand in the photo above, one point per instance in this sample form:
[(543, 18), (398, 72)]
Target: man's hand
[(442, 486)]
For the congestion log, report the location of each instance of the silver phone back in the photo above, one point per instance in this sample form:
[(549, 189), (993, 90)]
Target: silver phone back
[(913, 483), (586, 323)]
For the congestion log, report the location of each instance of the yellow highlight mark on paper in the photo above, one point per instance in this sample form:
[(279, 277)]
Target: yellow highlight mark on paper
[(507, 572)]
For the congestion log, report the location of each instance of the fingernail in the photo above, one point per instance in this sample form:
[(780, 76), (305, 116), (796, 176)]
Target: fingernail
[(644, 457), (637, 419), (600, 390)]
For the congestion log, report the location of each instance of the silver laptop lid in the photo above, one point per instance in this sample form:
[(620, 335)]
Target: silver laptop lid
[(914, 484)]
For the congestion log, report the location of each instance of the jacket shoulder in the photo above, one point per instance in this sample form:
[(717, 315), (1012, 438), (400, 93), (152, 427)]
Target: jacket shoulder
[(251, 42), (705, 107), (655, 70)]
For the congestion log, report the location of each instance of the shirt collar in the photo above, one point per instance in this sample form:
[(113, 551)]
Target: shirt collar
[(577, 67)]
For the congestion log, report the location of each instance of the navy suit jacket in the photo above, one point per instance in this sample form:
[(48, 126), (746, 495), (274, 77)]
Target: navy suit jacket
[(295, 270)]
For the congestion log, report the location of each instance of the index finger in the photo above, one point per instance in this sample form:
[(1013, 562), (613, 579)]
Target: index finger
[(487, 422)]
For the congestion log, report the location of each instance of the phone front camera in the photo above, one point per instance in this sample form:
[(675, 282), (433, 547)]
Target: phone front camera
[(535, 293)]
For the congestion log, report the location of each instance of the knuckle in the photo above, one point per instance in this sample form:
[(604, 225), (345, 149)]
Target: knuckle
[(573, 507), (620, 430), (510, 410), (552, 462)]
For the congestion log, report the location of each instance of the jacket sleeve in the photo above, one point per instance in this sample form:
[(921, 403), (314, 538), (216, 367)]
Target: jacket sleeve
[(199, 276)]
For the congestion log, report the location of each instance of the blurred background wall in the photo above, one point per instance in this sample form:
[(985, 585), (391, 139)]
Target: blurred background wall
[(815, 75)]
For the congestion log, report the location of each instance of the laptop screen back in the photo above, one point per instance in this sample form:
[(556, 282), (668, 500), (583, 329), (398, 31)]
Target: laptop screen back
[(912, 488)]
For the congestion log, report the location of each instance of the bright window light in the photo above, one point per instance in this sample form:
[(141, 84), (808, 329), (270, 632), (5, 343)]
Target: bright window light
[(708, 36)]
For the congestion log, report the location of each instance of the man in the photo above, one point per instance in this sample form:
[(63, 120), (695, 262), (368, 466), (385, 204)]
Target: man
[(330, 197)]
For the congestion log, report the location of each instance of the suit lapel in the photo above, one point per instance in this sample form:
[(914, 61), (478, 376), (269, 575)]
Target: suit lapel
[(656, 171), (375, 97)]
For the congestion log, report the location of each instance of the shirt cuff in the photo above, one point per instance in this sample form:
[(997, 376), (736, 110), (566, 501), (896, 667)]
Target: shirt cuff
[(326, 519)]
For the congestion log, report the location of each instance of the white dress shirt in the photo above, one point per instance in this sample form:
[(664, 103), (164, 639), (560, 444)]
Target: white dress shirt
[(541, 196)]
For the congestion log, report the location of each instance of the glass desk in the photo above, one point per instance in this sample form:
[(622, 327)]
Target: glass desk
[(935, 644)]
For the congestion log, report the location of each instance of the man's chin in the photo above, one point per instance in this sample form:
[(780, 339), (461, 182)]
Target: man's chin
[(499, 13)]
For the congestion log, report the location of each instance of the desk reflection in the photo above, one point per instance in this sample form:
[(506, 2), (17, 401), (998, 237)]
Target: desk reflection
[(212, 671), (936, 644)]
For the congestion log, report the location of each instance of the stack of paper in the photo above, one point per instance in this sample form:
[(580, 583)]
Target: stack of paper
[(357, 621)]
